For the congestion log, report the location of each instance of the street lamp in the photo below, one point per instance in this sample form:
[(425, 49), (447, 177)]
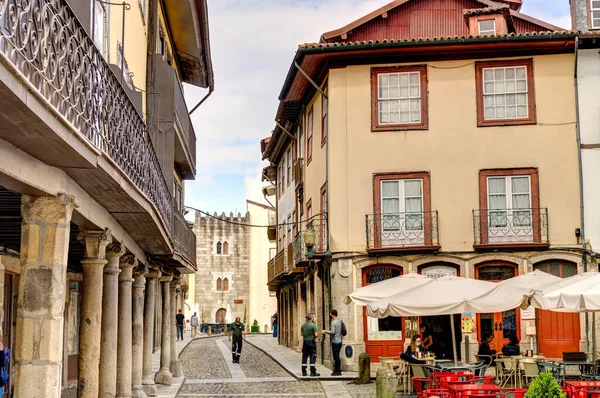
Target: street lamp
[(310, 238)]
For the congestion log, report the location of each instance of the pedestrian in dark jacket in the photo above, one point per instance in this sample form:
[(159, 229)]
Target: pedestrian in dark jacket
[(238, 331), (512, 348)]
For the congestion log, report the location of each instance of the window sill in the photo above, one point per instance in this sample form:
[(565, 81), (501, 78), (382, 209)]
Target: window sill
[(510, 246), (399, 127), (506, 122), (404, 249)]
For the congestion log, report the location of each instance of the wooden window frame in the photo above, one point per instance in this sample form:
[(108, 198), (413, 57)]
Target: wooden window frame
[(532, 117), (591, 17), (426, 178), (480, 20), (324, 115), (219, 284), (534, 179), (225, 284), (309, 139), (225, 248), (424, 124)]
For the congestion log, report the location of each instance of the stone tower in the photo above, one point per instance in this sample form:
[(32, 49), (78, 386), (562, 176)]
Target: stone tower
[(223, 257)]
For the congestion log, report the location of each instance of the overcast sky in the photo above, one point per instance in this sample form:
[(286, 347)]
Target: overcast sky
[(253, 43)]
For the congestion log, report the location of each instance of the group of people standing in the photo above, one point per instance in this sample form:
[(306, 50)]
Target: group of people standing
[(309, 346)]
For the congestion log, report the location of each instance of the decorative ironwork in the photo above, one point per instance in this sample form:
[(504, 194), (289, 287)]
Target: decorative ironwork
[(398, 230), (184, 238), (46, 44), (319, 225), (510, 226)]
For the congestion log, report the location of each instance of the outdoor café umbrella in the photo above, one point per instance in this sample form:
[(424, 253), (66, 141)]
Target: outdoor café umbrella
[(451, 295), (375, 291)]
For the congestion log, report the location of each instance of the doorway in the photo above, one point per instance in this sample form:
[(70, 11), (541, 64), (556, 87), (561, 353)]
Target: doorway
[(441, 333), (501, 325), (221, 316), (557, 332), (383, 337)]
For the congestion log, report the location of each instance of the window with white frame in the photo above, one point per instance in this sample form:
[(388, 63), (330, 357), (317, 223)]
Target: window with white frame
[(402, 205), (505, 93), (487, 28), (509, 201), (98, 16), (595, 17), (399, 98)]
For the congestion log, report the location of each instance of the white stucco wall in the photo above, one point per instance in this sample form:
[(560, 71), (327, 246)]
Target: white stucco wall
[(589, 117), (285, 204), (262, 305)]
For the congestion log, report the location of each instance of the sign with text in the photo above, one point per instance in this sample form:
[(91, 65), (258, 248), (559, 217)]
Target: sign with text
[(528, 313), (438, 271)]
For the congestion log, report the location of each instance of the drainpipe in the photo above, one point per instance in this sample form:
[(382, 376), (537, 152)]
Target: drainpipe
[(581, 199)]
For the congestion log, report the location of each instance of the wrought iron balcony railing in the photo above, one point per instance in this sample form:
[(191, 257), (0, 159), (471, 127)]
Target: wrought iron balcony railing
[(402, 230), (44, 42), (319, 225), (184, 238), (514, 226)]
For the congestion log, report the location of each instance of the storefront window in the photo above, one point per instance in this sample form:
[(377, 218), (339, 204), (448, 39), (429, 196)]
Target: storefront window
[(389, 328), (73, 319), (495, 272)]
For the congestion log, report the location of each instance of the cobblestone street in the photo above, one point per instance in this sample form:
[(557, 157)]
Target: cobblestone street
[(210, 373)]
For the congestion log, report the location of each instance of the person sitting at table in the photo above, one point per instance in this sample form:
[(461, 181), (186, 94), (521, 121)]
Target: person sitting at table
[(415, 348), (485, 350), (512, 348)]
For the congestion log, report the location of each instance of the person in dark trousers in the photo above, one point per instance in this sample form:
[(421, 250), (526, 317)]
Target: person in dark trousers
[(309, 346), (238, 331), (275, 322), (180, 319), (485, 350), (336, 341)]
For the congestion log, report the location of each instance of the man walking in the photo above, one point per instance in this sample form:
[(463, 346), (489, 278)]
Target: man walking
[(194, 324), (238, 330), (309, 346), (180, 318), (274, 321), (336, 341)]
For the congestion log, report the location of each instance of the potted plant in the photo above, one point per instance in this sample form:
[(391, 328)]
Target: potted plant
[(544, 386), (255, 327)]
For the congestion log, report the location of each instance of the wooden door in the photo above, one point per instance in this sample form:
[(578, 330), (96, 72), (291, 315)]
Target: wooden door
[(557, 332), (383, 337), (501, 324), (221, 315)]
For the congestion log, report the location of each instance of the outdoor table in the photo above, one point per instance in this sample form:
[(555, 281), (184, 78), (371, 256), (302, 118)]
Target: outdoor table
[(584, 364), (458, 389), (453, 367), (578, 387)]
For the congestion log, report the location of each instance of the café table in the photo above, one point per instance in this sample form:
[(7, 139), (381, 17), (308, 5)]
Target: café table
[(458, 389), (455, 367), (583, 365), (578, 386)]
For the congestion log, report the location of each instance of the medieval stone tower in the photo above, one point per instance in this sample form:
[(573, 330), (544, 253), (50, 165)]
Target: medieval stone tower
[(223, 255)]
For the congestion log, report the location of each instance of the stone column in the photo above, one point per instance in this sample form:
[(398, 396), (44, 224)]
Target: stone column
[(164, 375), (175, 366), (149, 309), (90, 329), (110, 309), (139, 286), (41, 295), (124, 350)]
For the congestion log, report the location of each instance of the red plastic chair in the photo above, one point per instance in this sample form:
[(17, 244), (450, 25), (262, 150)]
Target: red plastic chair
[(583, 393), (478, 394), (437, 393), (421, 384), (513, 392), (444, 381)]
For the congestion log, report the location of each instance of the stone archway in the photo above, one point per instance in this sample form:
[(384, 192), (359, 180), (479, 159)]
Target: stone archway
[(221, 316)]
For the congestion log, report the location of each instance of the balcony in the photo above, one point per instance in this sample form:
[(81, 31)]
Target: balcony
[(272, 228), (184, 240), (402, 232), (319, 225), (65, 107), (292, 267), (511, 229), (176, 126)]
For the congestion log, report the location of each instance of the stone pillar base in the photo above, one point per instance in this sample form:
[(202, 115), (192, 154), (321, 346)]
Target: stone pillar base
[(150, 389), (164, 377), (138, 392), (176, 369)]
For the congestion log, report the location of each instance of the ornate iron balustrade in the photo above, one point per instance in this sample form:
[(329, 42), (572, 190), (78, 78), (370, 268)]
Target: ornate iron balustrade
[(46, 44), (184, 238), (319, 225), (402, 230), (510, 226)]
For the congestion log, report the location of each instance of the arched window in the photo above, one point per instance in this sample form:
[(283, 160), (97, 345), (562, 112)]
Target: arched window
[(219, 284), (225, 248), (560, 268), (225, 284), (218, 247)]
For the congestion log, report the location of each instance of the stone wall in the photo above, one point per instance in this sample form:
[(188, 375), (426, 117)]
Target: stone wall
[(233, 266)]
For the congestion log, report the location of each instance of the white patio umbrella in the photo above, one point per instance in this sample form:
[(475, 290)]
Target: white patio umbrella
[(451, 295), (368, 294)]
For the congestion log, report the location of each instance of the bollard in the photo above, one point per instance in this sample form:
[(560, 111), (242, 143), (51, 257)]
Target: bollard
[(225, 329), (387, 383), (364, 368), (266, 329), (209, 330)]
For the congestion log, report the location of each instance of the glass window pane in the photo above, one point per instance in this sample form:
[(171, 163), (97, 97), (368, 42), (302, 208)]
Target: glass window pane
[(488, 75), (510, 73), (520, 201), (497, 202), (404, 91), (499, 74), (390, 206), (404, 79), (595, 4), (488, 87), (521, 72), (393, 80), (414, 78), (412, 187), (522, 111), (413, 205), (496, 185), (520, 184), (390, 189)]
